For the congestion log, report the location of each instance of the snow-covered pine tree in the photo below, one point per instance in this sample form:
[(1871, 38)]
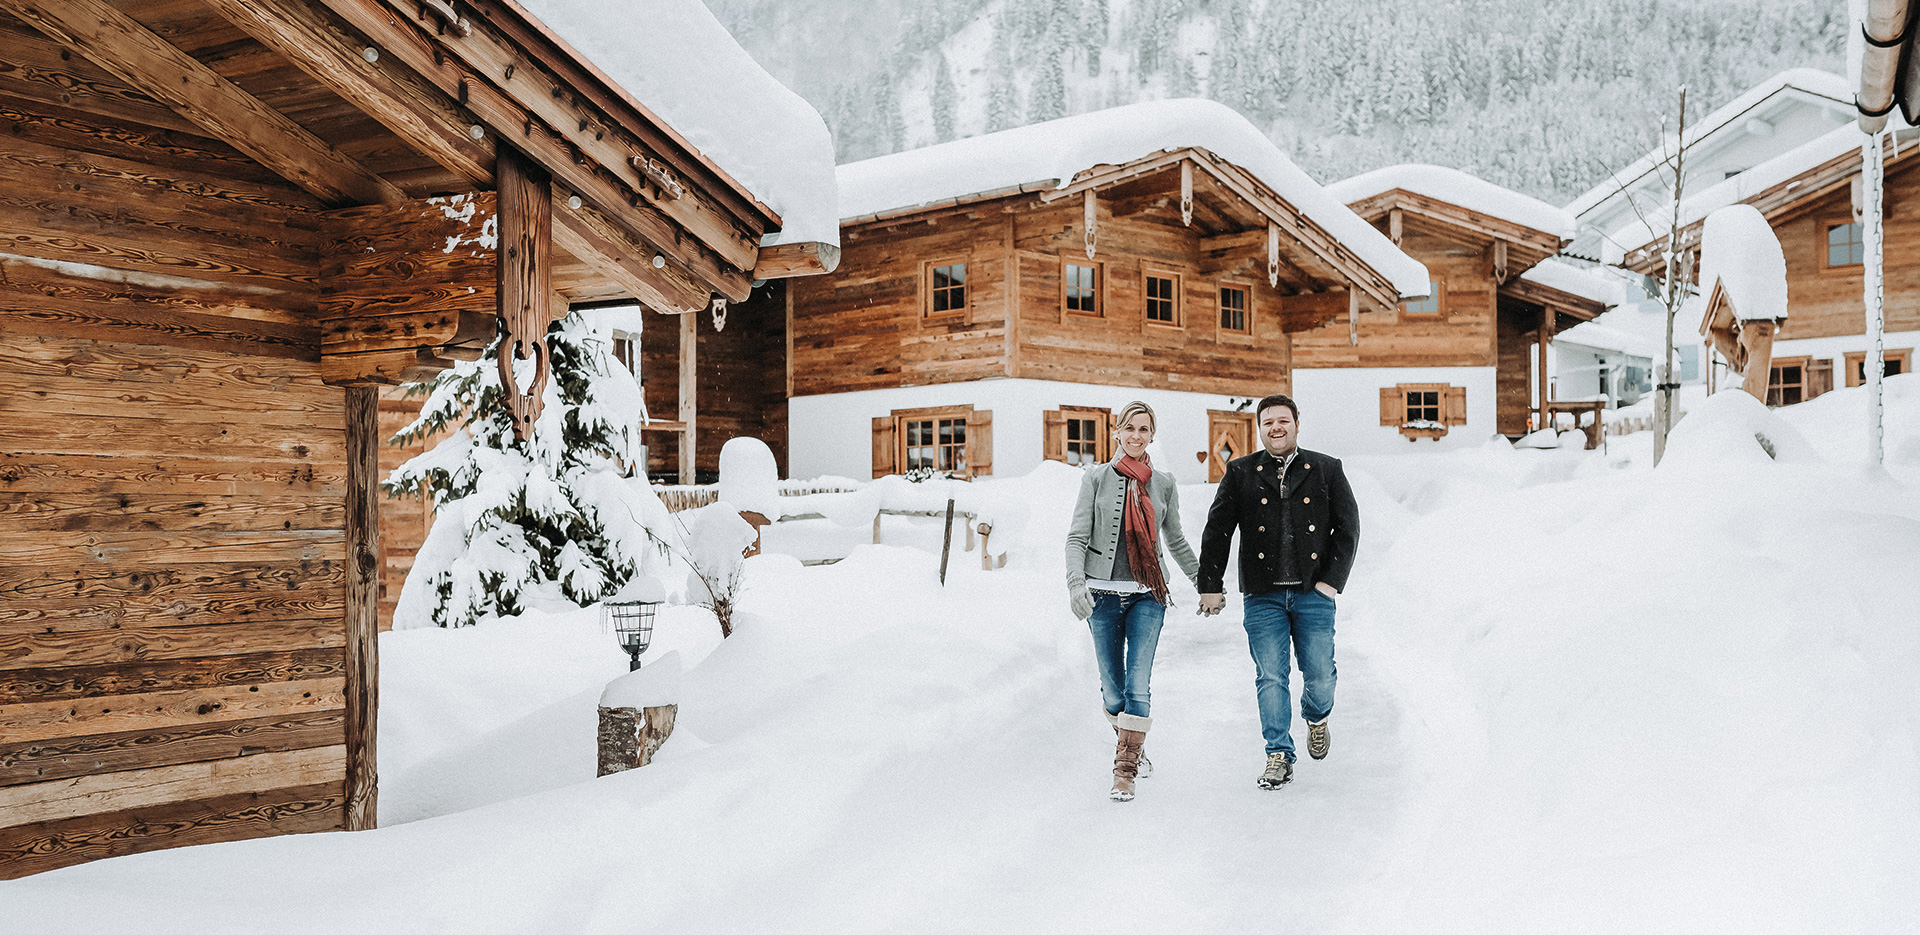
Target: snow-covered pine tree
[(1049, 100), (1094, 25), (944, 98), (555, 517)]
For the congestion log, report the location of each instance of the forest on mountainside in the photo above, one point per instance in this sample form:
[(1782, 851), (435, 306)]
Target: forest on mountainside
[(1543, 96)]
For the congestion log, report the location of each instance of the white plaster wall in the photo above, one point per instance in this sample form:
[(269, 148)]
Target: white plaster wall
[(833, 433), (1340, 408), (1837, 348)]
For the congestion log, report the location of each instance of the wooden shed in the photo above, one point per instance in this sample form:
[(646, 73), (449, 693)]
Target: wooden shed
[(231, 222)]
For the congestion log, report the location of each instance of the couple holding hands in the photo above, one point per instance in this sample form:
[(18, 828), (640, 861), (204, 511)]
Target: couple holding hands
[(1299, 527)]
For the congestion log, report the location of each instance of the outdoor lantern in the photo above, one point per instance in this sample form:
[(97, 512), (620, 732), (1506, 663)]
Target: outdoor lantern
[(632, 626)]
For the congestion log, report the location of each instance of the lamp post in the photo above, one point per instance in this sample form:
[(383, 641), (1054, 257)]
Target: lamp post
[(632, 625)]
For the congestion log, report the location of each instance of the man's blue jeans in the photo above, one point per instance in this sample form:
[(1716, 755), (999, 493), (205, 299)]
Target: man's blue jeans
[(1126, 628), (1304, 618)]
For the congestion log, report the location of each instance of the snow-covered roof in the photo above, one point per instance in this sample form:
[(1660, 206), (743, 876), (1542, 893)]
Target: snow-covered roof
[(1585, 283), (1458, 188), (1828, 146), (1055, 150), (674, 59), (1807, 81), (1739, 250), (1605, 337)]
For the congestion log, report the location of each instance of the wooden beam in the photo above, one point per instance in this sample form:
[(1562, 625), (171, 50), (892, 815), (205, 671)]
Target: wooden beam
[(1396, 226), (1186, 192), (363, 605), (1091, 208), (593, 238), (155, 67), (787, 260), (512, 120), (1499, 262), (327, 51), (526, 281), (689, 385)]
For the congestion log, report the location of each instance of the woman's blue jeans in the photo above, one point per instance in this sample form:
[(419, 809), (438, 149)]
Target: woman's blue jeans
[(1126, 628), (1304, 618)]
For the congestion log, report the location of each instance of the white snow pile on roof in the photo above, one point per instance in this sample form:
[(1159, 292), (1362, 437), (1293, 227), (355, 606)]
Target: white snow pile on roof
[(1585, 283), (1603, 335), (679, 62), (1738, 248), (1810, 80), (1055, 150), (1458, 188)]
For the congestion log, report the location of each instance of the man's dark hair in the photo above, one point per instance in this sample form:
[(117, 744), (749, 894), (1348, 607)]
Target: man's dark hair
[(1277, 399)]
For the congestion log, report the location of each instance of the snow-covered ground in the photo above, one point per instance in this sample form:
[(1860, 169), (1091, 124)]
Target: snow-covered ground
[(1578, 694)]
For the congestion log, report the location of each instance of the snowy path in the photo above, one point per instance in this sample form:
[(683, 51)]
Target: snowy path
[(1007, 828)]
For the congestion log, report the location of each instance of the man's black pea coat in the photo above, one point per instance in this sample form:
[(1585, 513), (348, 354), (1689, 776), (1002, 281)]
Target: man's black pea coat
[(1308, 518)]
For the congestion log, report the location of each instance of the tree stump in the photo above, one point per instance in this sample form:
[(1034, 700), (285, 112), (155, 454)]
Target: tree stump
[(629, 737)]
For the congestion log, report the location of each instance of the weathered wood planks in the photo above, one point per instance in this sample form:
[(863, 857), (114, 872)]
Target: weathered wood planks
[(41, 760)]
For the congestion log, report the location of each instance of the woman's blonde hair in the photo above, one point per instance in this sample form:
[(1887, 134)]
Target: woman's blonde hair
[(1132, 409)]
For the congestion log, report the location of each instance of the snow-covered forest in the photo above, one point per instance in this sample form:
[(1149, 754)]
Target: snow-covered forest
[(1542, 96)]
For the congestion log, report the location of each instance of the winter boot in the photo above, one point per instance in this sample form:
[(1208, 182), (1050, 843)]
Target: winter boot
[(1319, 740), (1278, 773), (1132, 733), (1146, 765)]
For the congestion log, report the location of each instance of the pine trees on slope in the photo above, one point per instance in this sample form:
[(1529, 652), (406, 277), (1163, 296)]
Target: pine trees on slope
[(555, 517)]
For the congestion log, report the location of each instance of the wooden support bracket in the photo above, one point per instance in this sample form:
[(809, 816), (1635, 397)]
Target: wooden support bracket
[(526, 272)]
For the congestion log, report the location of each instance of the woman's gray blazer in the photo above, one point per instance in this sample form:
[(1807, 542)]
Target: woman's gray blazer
[(1095, 532)]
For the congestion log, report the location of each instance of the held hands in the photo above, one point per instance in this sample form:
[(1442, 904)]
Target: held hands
[(1211, 604), (1327, 589)]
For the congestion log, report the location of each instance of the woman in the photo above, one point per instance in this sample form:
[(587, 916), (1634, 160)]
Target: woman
[(1118, 584)]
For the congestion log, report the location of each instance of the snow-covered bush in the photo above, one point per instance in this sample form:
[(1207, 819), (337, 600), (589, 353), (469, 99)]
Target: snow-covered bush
[(716, 540), (557, 516)]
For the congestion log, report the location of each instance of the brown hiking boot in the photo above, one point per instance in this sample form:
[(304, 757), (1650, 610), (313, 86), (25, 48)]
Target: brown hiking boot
[(1126, 764)]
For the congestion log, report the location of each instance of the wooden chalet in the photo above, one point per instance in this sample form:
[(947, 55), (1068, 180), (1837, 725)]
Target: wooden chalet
[(1808, 197), (990, 329), (1471, 359), (232, 223)]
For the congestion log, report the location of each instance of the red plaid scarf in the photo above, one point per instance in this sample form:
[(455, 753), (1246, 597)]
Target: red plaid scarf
[(1139, 528)]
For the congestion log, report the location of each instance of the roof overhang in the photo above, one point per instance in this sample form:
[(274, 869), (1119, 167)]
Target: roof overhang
[(1526, 246), (1559, 301)]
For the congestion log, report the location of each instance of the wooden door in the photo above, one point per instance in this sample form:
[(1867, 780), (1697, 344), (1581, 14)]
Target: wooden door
[(1229, 436)]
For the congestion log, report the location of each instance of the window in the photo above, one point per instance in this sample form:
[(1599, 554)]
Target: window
[(946, 288), (1163, 298), (1844, 245), (1892, 363), (1423, 410), (1429, 306), (939, 444), (626, 350), (1080, 285), (1078, 435), (1233, 309), (1787, 383), (955, 439)]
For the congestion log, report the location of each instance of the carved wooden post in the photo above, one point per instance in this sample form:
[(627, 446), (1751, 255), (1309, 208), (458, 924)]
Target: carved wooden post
[(526, 273)]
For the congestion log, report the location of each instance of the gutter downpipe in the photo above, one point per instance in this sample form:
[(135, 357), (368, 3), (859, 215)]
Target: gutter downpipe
[(1886, 34)]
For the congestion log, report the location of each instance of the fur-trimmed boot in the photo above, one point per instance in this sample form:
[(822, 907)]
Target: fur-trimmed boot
[(1146, 765), (1132, 733)]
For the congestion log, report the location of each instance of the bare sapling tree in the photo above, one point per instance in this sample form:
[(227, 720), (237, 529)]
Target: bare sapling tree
[(714, 547), (1678, 273)]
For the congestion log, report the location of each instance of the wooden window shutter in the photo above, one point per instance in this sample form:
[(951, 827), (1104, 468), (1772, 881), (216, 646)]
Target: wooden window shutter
[(883, 446), (980, 442), (1820, 376), (1053, 439), (1393, 405), (1455, 408)]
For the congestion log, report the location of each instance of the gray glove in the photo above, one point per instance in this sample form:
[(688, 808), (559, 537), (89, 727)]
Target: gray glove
[(1082, 603)]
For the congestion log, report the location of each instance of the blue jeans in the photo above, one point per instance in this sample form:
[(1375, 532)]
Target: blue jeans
[(1303, 617), (1126, 628)]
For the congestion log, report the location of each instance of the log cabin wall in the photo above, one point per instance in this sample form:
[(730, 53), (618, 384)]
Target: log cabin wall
[(173, 476), (1461, 335), (740, 387), (1824, 301), (863, 327)]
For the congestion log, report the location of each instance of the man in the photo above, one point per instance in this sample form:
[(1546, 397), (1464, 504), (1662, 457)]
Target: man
[(1299, 528)]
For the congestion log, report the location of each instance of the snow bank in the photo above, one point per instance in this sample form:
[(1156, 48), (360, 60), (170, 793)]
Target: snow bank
[(650, 686), (1738, 250), (675, 60), (1456, 187), (1055, 150)]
